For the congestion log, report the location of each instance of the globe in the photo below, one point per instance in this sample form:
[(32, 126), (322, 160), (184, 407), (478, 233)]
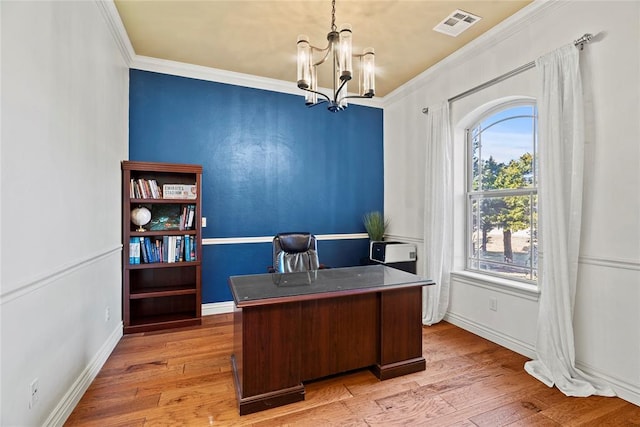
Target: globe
[(140, 216)]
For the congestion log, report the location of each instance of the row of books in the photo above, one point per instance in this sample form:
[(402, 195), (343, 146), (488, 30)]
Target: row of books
[(149, 189), (172, 217), (144, 189), (149, 250)]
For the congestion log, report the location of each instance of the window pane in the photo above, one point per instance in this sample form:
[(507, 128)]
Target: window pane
[(475, 160), (475, 229), (509, 147), (504, 236), (504, 143)]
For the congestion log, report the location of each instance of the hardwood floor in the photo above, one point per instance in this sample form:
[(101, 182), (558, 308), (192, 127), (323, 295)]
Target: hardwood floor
[(183, 378)]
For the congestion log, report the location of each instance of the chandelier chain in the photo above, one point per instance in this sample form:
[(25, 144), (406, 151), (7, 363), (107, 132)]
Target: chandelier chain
[(333, 15)]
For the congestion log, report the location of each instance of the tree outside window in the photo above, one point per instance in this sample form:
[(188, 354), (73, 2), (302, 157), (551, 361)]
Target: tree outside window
[(502, 194)]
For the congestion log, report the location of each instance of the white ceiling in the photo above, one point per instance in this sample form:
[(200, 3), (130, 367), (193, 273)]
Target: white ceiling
[(258, 37)]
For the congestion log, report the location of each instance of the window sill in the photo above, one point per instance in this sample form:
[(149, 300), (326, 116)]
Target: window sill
[(512, 287)]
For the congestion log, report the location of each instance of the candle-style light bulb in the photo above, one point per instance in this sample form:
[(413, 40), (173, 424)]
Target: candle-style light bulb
[(345, 52), (304, 61), (368, 73)]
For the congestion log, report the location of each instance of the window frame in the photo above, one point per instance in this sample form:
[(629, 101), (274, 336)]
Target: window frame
[(470, 195)]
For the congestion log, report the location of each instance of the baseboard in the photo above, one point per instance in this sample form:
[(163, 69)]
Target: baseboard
[(64, 408), (624, 390), (506, 341), (218, 308)]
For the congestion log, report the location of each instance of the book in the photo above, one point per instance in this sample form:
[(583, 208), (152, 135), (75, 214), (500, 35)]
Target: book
[(171, 249), (192, 212), (178, 256), (147, 247), (134, 251), (131, 257), (158, 250), (183, 217), (165, 217), (132, 189), (142, 189), (143, 250), (152, 250), (154, 189), (179, 191), (165, 247), (187, 248), (137, 250)]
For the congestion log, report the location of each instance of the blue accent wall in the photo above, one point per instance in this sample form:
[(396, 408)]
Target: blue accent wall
[(269, 165)]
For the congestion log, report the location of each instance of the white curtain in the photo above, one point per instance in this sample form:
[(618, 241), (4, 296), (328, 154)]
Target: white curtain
[(438, 214), (561, 148)]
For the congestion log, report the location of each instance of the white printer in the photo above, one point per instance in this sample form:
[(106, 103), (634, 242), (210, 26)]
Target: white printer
[(392, 252)]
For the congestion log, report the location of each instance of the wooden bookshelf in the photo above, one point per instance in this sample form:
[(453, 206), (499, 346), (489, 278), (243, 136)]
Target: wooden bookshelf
[(159, 293)]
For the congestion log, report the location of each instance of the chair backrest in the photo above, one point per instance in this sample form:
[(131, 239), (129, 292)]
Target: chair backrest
[(295, 252)]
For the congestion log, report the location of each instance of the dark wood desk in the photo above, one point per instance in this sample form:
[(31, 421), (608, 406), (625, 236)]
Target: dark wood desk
[(296, 327)]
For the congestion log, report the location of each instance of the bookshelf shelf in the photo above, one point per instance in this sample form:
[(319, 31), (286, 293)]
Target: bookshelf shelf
[(161, 201), (157, 293), (157, 265), (162, 233), (176, 320), (161, 292)]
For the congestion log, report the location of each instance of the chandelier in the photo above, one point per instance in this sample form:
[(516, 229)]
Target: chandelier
[(339, 53)]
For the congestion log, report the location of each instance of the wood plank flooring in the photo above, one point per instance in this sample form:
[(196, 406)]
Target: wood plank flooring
[(183, 378)]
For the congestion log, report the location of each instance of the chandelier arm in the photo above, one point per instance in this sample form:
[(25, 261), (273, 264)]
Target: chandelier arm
[(326, 51), (322, 101), (360, 96), (317, 93), (335, 96)]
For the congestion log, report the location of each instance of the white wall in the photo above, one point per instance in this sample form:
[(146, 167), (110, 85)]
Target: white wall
[(606, 318), (64, 116)]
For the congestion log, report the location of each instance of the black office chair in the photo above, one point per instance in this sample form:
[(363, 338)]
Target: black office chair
[(294, 252)]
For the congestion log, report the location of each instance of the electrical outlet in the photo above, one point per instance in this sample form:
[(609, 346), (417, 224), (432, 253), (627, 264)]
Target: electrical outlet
[(204, 221), (493, 304), (107, 314), (34, 393)]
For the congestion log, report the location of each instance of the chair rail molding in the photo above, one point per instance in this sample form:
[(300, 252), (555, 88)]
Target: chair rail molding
[(626, 264), (38, 282), (269, 239)]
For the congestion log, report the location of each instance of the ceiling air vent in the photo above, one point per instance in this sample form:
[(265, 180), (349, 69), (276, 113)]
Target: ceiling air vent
[(456, 23)]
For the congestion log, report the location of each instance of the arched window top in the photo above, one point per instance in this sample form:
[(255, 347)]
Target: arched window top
[(504, 136), (505, 113)]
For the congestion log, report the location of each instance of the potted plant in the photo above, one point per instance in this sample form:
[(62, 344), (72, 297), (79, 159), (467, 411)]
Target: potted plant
[(375, 224)]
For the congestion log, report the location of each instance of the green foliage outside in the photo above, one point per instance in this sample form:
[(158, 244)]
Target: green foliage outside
[(510, 213)]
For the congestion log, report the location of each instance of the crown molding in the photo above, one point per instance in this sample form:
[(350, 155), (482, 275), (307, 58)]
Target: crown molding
[(182, 69), (116, 27), (516, 23)]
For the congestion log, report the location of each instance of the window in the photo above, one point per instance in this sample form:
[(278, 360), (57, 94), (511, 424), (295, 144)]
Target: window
[(502, 193)]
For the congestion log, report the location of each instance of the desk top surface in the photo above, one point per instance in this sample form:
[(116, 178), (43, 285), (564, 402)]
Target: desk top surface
[(261, 289)]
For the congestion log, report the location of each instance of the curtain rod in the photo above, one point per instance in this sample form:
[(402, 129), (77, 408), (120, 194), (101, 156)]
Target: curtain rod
[(586, 38)]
